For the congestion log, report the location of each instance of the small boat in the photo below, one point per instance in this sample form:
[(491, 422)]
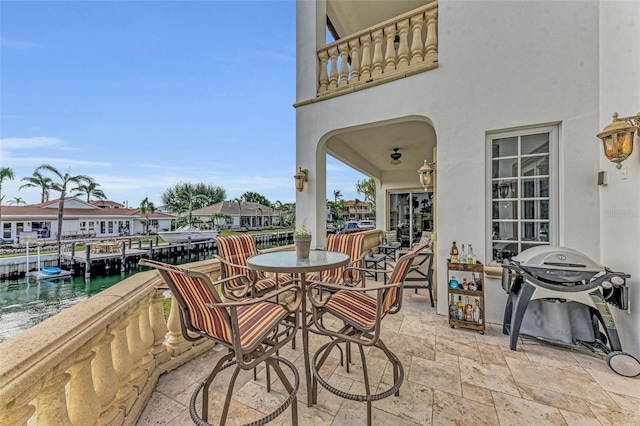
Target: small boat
[(51, 270), (188, 233)]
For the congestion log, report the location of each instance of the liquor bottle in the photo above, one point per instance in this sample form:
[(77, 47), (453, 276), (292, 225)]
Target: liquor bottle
[(460, 309), (463, 255), (477, 313), (472, 283), (465, 284), (468, 311), (471, 258), (452, 307), (454, 253)]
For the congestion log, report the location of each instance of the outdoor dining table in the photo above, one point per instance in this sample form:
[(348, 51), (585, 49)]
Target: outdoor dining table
[(288, 262)]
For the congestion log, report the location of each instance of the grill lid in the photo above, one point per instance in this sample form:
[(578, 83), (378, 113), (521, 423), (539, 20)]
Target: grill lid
[(557, 258)]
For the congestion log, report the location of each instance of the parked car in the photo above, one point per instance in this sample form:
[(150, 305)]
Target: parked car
[(331, 229), (350, 226), (366, 224)]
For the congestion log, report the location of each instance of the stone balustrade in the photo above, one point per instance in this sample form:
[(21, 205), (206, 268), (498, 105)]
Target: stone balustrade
[(96, 362), (375, 55)]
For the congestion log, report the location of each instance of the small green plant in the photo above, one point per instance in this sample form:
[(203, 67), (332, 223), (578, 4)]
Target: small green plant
[(302, 231)]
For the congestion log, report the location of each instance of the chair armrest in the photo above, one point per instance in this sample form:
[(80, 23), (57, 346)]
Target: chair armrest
[(291, 307), (251, 273), (337, 287)]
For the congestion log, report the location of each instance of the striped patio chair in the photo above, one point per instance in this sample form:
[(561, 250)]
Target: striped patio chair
[(352, 274), (247, 327), (233, 252), (361, 315)]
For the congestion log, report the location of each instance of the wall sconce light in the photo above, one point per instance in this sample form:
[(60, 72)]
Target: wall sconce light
[(617, 138), (503, 189), (396, 42), (395, 157), (426, 175), (301, 178)]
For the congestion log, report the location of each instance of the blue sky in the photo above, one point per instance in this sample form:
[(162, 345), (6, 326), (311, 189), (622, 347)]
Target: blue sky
[(143, 95)]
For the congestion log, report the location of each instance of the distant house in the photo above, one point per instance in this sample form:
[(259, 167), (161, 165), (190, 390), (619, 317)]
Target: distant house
[(228, 215), (80, 219), (360, 211)]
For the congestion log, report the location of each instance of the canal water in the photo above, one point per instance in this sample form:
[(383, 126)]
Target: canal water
[(27, 302)]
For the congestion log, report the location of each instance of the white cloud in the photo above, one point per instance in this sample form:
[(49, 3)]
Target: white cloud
[(10, 43), (32, 143)]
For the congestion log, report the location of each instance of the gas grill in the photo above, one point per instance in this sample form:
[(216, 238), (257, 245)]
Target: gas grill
[(560, 295)]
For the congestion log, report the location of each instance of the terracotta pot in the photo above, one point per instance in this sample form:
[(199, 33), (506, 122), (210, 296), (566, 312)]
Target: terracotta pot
[(303, 245)]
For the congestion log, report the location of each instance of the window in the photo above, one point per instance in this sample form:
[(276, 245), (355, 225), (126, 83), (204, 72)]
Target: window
[(523, 197), (409, 214)]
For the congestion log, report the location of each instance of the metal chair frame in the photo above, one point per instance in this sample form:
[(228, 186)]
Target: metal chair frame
[(262, 348)]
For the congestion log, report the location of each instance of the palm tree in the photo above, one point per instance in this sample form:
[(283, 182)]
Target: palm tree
[(38, 180), (90, 189), (188, 198), (238, 201), (8, 174), (18, 201), (63, 187), (146, 208)]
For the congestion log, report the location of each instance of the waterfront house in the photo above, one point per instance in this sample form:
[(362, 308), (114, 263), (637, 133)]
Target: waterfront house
[(228, 215), (502, 100), (80, 219)]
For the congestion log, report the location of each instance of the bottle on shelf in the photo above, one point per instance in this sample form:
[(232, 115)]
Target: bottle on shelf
[(454, 253), (477, 313), (465, 284), (453, 282), (453, 308), (471, 258), (460, 309), (463, 255), (468, 311), (472, 284)]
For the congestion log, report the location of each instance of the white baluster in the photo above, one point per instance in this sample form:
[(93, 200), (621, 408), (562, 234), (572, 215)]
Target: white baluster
[(122, 364), (176, 344), (403, 49), (390, 53), (159, 327), (365, 74), (324, 79), (377, 53), (431, 55), (82, 400), (333, 74), (146, 336), (344, 64), (51, 402), (416, 44), (138, 375), (18, 411), (106, 382), (354, 45)]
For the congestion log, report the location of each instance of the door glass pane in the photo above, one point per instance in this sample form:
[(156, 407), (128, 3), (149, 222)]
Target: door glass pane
[(526, 246), (505, 168), (505, 210), (535, 231), (535, 188), (505, 231), (504, 250), (535, 144), (535, 166), (535, 209), (507, 188), (505, 147)]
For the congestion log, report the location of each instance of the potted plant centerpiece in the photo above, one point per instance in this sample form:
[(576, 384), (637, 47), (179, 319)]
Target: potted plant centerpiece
[(302, 241)]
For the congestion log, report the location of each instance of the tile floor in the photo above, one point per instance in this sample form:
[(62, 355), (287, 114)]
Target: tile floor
[(452, 376)]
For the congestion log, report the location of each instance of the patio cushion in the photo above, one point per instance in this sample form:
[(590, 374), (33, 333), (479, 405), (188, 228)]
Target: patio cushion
[(353, 306), (257, 319), (350, 244)]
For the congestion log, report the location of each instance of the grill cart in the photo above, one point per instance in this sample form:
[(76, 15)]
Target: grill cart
[(560, 295)]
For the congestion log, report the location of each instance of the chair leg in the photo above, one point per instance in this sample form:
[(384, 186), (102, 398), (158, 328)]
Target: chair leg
[(367, 387), (227, 400), (287, 386), (205, 390)]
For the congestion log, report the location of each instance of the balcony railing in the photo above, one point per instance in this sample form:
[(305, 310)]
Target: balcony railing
[(99, 361), (96, 362), (375, 55)]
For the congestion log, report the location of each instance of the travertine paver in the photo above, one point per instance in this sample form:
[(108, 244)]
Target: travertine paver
[(452, 376)]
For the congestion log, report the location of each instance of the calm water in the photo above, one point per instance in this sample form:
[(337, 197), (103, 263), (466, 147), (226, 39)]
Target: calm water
[(25, 303)]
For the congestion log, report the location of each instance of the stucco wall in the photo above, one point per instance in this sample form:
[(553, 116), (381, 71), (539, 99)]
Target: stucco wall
[(620, 199), (498, 68)]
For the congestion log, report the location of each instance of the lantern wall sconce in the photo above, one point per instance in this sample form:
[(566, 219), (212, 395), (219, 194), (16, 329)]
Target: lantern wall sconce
[(504, 189), (426, 173), (617, 138), (301, 178)]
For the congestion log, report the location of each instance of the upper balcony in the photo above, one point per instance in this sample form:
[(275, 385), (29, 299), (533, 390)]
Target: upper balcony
[(387, 50)]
